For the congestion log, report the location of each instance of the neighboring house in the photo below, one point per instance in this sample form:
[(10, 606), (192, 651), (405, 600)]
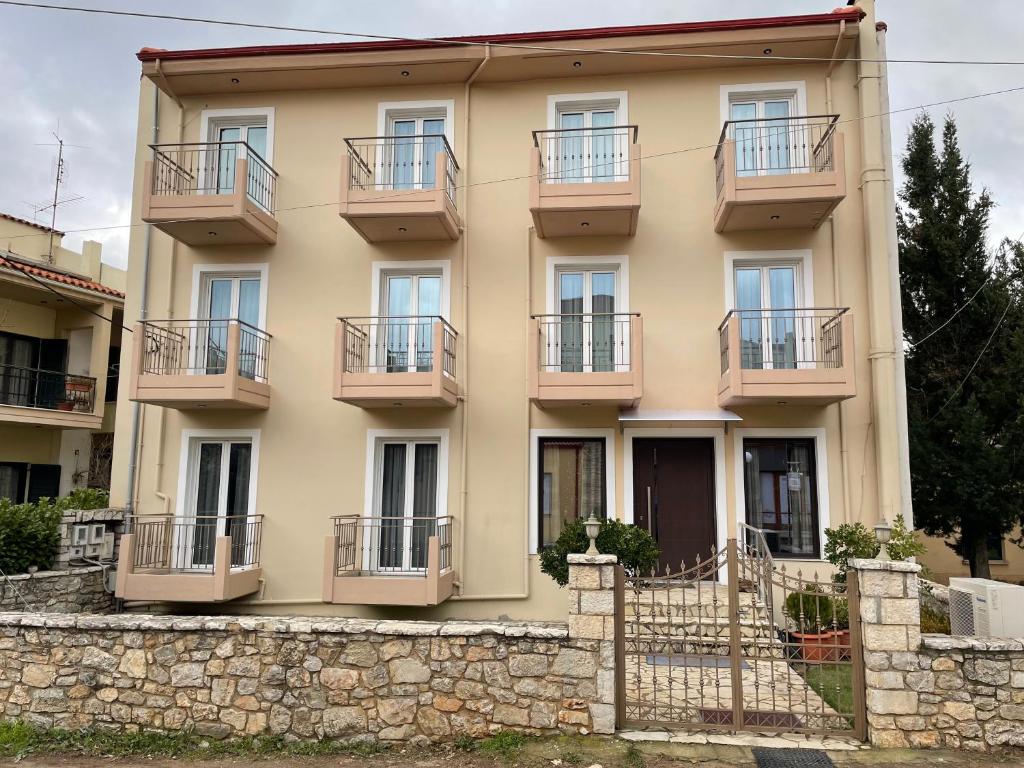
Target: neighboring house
[(1006, 559), (539, 319), (60, 342)]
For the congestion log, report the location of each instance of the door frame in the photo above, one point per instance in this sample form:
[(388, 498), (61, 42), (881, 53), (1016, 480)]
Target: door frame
[(718, 435)]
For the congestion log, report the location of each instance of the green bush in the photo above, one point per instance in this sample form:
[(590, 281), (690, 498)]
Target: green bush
[(30, 533), (852, 540), (636, 549), (904, 543), (810, 610)]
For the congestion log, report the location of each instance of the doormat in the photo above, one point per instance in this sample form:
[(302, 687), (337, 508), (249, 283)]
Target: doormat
[(682, 660), (791, 758)]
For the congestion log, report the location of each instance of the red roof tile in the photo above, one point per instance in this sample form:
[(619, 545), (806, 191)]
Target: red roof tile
[(56, 276)]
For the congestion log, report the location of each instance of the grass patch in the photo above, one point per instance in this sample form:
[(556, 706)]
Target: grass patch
[(634, 758), (834, 683), (504, 743)]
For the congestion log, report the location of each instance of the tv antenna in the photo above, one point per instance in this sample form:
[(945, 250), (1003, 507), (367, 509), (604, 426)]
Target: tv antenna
[(57, 181)]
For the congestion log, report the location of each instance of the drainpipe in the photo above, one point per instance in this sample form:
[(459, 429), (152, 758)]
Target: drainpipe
[(875, 186)]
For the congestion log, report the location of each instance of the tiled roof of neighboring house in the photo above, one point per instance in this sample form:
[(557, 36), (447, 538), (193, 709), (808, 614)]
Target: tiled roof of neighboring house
[(28, 223), (55, 275), (851, 13)]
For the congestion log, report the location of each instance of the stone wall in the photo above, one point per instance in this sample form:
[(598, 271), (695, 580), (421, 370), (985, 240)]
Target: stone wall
[(79, 590), (933, 690), (317, 678)]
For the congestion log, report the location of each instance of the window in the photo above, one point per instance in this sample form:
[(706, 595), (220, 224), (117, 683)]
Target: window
[(582, 145), (407, 504), (219, 499), (588, 335), (415, 132), (762, 127), (222, 296), (780, 489), (572, 483), (236, 134), (412, 301), (995, 549), (21, 482), (767, 299)]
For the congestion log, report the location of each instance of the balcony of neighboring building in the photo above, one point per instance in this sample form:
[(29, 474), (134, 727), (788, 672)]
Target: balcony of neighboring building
[(400, 188), (585, 181), (201, 559), (213, 193), (786, 356), (778, 173), (389, 561), (586, 360), (48, 398), (190, 364), (385, 362)]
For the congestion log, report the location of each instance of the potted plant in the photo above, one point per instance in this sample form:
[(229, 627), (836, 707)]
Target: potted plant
[(65, 405), (812, 613)]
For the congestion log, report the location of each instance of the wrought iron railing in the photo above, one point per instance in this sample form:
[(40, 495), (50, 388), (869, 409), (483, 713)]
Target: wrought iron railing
[(53, 390), (577, 155), (398, 344), (586, 343), (210, 168), (780, 339), (396, 163), (164, 542), (392, 545), (203, 347), (777, 145)]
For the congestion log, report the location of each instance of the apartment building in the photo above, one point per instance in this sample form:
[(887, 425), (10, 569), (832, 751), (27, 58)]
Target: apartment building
[(60, 339), (403, 308)]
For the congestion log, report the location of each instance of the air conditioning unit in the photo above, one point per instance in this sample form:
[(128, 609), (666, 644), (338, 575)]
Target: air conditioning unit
[(107, 552), (985, 608), (96, 533), (79, 535)]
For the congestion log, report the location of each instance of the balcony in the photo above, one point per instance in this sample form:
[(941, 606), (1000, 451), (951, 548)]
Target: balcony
[(217, 193), (586, 359), (585, 181), (186, 364), (778, 173), (786, 356), (384, 362), (203, 559), (389, 561), (42, 398), (400, 188)]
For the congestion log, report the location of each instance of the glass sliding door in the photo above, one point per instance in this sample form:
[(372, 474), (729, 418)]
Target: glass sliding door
[(766, 297), (412, 303), (228, 298), (407, 483), (767, 140), (219, 503), (415, 142), (586, 146), (588, 336), (235, 140)]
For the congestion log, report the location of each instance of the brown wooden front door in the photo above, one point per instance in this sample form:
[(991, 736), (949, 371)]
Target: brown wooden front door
[(674, 497)]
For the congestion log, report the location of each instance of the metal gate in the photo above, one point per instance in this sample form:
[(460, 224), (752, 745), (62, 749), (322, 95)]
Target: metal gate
[(735, 642)]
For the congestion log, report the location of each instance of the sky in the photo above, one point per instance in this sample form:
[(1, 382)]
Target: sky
[(78, 73)]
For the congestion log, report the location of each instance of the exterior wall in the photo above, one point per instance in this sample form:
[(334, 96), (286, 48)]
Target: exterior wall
[(321, 268), (933, 690), (79, 590), (941, 562), (361, 680)]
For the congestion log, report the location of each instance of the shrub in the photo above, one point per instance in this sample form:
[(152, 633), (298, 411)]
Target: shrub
[(30, 533), (904, 543), (853, 540), (810, 610), (636, 549), (934, 622)]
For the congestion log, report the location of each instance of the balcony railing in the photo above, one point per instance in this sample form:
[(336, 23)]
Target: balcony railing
[(392, 545), (785, 339), (585, 343), (201, 347), (211, 169), (188, 544), (580, 155), (398, 163), (53, 390), (777, 146), (397, 344)]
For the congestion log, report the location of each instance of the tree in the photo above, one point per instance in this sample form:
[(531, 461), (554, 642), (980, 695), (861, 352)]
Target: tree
[(964, 339)]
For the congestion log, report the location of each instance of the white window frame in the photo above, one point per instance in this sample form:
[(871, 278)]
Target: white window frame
[(188, 476), (381, 270), (389, 111), (608, 435), (794, 90), (375, 440), (212, 119), (821, 481), (618, 101), (201, 274)]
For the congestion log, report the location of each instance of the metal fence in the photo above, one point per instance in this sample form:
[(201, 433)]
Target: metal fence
[(192, 347), (780, 339), (401, 163), (391, 545), (777, 145), (163, 542), (38, 388), (591, 343), (577, 155), (397, 344), (210, 169)]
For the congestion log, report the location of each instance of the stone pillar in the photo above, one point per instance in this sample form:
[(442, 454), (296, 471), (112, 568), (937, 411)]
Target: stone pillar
[(890, 613), (592, 625)]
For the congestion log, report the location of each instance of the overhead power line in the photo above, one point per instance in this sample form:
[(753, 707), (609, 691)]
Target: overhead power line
[(472, 43), (959, 309)]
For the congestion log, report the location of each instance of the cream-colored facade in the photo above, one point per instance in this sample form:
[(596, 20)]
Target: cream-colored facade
[(497, 247), (60, 332)]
